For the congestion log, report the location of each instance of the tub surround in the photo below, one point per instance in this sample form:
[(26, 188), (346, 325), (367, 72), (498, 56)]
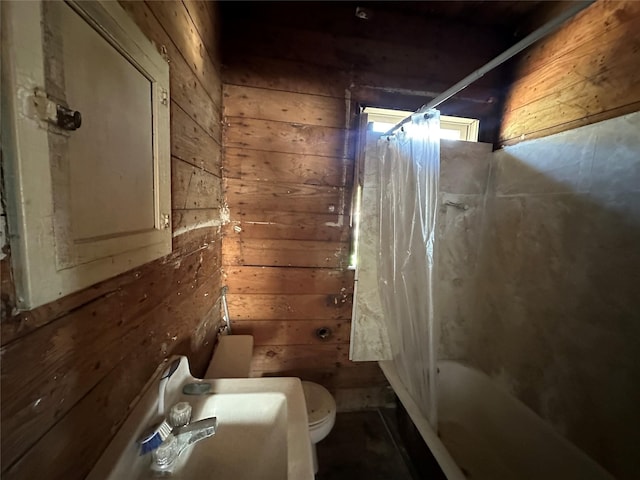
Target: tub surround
[(464, 172), (464, 176), (558, 320), (538, 268)]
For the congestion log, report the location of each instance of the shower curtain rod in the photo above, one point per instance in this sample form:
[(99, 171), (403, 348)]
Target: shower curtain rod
[(530, 39)]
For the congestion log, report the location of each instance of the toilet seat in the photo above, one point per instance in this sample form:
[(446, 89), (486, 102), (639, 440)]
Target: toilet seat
[(321, 412), (321, 406)]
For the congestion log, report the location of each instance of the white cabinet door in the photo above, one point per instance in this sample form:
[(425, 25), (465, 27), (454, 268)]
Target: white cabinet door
[(101, 201)]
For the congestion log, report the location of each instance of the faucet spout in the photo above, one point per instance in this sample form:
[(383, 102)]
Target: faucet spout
[(196, 431), (166, 455), (162, 386)]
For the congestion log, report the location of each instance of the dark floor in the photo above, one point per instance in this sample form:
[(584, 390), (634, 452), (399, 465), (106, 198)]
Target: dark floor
[(364, 445)]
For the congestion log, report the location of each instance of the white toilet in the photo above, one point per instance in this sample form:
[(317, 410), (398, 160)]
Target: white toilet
[(321, 410), (232, 359)]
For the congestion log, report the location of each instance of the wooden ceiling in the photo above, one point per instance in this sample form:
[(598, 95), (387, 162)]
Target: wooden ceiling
[(509, 19), (506, 15), (400, 56)]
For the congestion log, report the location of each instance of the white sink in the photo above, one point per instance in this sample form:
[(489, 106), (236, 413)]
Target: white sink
[(261, 433)]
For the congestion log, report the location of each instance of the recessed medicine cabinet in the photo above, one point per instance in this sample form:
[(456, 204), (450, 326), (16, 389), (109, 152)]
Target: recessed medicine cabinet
[(86, 148)]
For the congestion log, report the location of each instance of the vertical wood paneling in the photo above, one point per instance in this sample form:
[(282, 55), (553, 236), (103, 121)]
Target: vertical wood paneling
[(93, 350)]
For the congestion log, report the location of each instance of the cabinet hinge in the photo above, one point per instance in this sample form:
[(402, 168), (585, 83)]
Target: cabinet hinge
[(165, 53), (164, 96), (166, 220)]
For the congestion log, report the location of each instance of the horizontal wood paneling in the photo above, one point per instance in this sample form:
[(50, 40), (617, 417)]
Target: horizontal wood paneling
[(192, 144), (599, 22), (286, 75), (285, 357), (588, 71), (285, 253), (283, 106), (177, 22), (416, 86), (193, 187), (288, 226), (49, 373), (186, 220), (366, 87), (290, 307), (294, 332), (93, 350), (140, 280), (286, 137), (175, 332), (245, 196), (420, 26), (292, 281), (53, 449), (288, 170), (576, 60), (578, 122), (265, 166), (206, 18), (439, 62), (186, 89)]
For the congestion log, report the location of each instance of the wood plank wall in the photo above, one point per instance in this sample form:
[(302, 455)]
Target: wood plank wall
[(287, 173), (392, 60), (71, 369), (289, 94), (586, 72)]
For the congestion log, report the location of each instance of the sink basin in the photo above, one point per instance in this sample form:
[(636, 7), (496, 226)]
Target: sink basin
[(261, 433)]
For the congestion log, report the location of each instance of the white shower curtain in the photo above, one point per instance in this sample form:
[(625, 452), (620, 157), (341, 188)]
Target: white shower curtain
[(409, 177)]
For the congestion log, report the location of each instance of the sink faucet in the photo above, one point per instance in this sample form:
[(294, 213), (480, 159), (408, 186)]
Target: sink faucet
[(174, 434), (162, 386), (154, 437), (195, 431), (165, 456)]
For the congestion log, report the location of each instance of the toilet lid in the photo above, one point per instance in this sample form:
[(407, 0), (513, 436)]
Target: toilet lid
[(320, 403)]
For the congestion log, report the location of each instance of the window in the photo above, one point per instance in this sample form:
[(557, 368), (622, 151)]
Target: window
[(451, 128)]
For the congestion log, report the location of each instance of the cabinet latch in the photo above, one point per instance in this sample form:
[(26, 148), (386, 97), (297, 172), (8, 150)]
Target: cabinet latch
[(55, 113)]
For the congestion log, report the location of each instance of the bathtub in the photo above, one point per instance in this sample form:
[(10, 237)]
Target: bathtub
[(484, 433)]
